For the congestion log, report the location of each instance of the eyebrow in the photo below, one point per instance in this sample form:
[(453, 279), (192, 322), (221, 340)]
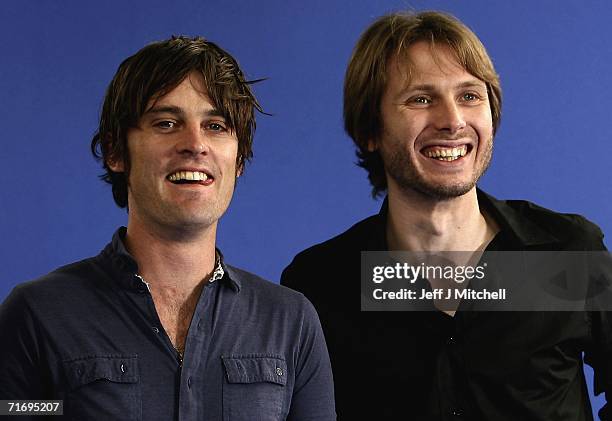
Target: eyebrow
[(428, 87), (171, 109)]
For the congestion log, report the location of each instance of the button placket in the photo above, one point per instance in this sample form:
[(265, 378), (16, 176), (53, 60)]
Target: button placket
[(457, 413)]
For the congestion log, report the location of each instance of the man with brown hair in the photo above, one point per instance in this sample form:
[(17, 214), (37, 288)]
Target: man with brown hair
[(422, 102), (158, 326)]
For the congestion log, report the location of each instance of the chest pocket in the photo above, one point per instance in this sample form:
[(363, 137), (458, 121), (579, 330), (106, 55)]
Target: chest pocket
[(103, 388), (254, 388)]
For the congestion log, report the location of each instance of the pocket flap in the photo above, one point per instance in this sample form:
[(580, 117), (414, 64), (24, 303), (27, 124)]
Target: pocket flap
[(254, 369), (115, 368)]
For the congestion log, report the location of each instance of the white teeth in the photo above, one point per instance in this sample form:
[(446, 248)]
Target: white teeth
[(188, 175)]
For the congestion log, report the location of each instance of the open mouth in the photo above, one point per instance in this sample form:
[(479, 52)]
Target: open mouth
[(190, 177), (448, 154)]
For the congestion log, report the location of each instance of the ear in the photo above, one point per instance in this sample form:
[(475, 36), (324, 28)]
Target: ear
[(240, 163), (115, 165), (372, 145)]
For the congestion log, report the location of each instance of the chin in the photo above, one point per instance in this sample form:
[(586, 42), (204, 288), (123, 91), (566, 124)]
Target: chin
[(439, 191), (449, 192)]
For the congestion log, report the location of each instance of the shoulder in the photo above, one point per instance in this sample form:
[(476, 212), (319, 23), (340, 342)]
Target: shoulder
[(268, 296), (335, 260), (568, 228), (58, 281), (351, 241), (63, 287)]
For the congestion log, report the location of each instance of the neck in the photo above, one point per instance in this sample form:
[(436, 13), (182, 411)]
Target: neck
[(418, 222), (170, 261)]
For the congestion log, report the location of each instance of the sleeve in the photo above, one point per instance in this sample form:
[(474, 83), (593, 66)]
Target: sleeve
[(313, 393), (600, 358), (599, 354), (297, 275), (19, 351), (288, 277)]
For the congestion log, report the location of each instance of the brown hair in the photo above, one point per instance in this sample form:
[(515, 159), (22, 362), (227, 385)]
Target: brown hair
[(153, 72), (366, 76)]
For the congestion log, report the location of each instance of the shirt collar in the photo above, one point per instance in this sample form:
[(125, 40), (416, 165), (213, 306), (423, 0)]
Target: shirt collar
[(123, 263), (512, 221), (377, 241)]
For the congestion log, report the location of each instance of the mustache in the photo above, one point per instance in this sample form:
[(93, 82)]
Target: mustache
[(468, 134)]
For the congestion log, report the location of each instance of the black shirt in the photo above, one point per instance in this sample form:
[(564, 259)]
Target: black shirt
[(89, 334), (473, 366)]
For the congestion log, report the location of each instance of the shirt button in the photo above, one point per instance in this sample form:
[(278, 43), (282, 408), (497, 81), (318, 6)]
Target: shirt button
[(457, 412), (122, 368), (189, 382), (155, 329), (450, 340), (279, 371)]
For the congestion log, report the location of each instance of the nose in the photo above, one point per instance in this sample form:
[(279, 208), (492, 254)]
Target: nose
[(193, 142), (449, 117)]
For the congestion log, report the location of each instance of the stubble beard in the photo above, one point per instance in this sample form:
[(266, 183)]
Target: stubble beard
[(172, 219), (398, 166)]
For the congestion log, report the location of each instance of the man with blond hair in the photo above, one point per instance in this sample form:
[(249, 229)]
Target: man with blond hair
[(422, 103)]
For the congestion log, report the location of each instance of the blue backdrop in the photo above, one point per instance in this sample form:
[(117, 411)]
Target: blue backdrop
[(302, 187)]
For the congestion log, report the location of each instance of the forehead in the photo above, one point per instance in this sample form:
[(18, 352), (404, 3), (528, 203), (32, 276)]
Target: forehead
[(190, 91), (427, 63)]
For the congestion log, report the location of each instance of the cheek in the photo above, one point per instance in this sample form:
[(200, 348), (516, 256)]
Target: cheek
[(397, 126), (484, 122), (230, 156), (144, 172), (409, 127)]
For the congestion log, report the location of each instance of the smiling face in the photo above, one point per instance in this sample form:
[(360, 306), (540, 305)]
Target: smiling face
[(183, 161), (437, 134)]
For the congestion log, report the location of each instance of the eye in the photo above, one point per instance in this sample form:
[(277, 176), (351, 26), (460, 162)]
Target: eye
[(165, 124), (215, 126), (420, 100), (470, 97)]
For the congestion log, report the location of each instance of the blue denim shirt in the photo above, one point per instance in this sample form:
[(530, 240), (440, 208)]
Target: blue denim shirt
[(88, 333)]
